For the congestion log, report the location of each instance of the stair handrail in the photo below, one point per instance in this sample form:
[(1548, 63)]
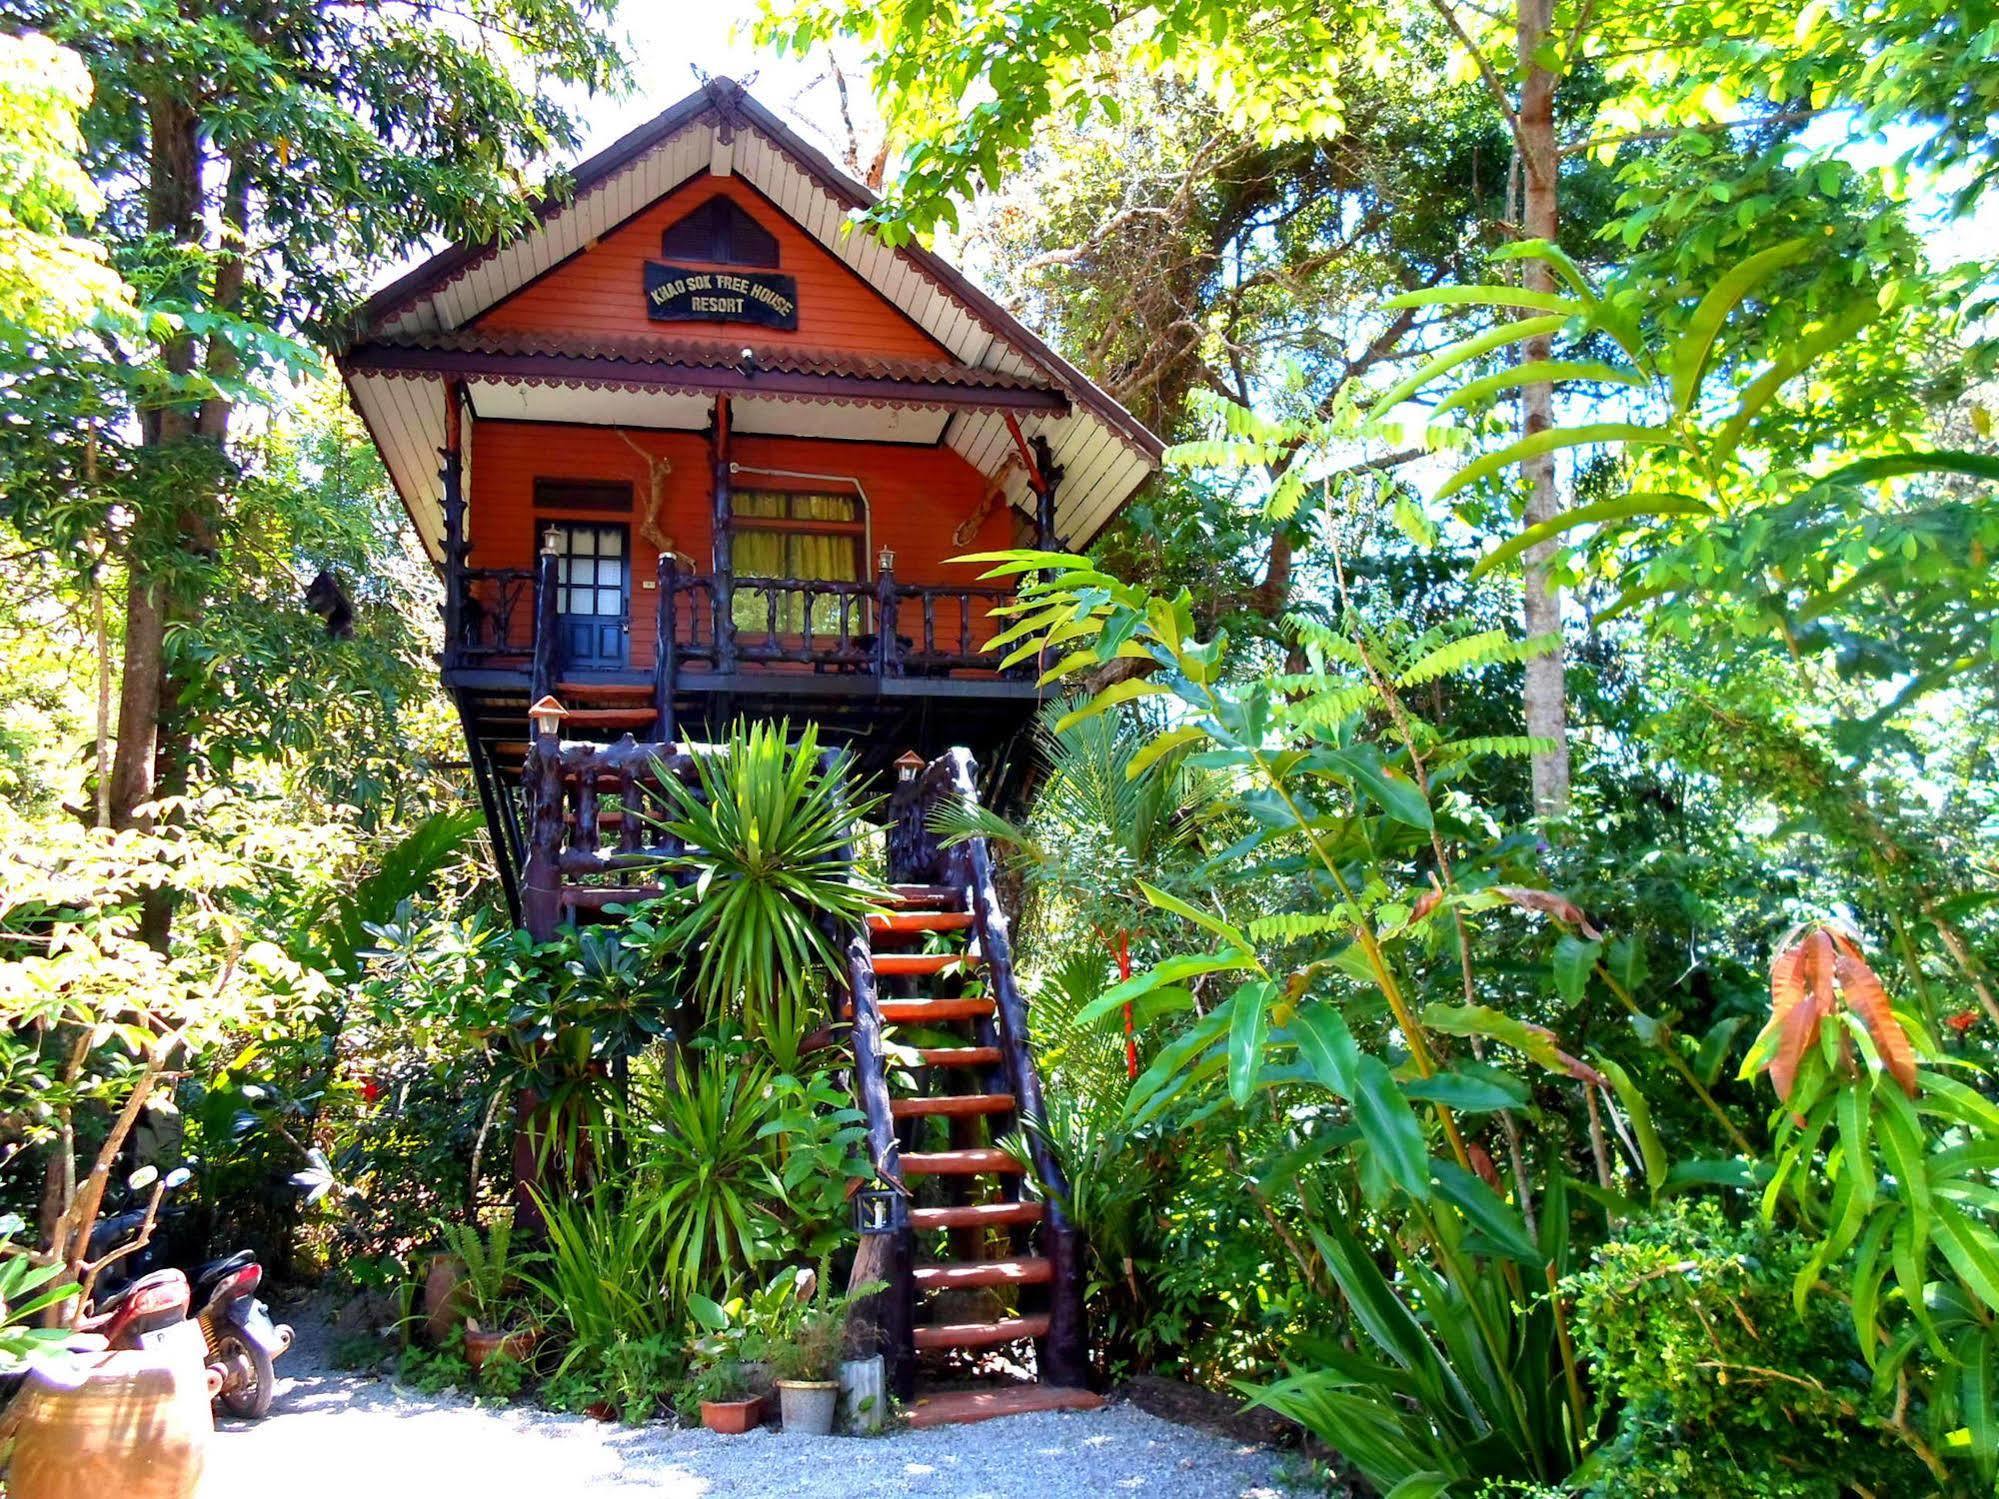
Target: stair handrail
[(1065, 1356)]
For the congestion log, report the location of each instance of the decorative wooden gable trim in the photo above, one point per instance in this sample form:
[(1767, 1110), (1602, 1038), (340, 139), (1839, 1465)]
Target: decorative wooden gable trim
[(1104, 452)]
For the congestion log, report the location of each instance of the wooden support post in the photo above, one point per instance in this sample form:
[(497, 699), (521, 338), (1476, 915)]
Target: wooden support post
[(452, 472), (723, 522), (1047, 474), (541, 880), (666, 649), (888, 645), (547, 580)]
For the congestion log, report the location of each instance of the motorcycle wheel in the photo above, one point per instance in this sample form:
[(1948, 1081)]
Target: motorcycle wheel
[(251, 1400)]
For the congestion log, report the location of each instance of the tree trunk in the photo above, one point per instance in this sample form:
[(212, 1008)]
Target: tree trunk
[(1545, 696)]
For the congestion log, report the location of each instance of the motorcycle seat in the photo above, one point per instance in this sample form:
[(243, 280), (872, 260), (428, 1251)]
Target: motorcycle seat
[(214, 1270)]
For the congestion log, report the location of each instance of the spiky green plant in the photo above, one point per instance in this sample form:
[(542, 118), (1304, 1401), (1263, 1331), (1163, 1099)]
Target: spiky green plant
[(491, 1269), (768, 835)]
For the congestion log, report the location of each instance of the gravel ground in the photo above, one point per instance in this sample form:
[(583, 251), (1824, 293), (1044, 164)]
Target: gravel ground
[(336, 1434)]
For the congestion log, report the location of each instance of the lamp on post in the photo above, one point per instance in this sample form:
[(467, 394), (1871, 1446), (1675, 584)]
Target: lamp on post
[(885, 563), (546, 716), (908, 765), (551, 541), (877, 1210)]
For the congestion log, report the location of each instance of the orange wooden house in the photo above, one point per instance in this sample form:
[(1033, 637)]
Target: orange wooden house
[(695, 446)]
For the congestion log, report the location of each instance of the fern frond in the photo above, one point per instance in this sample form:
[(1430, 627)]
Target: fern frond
[(1295, 926), (1329, 706), (1337, 647), (1504, 746), (1469, 652)]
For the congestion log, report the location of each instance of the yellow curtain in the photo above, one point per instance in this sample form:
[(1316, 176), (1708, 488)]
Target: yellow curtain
[(794, 555)]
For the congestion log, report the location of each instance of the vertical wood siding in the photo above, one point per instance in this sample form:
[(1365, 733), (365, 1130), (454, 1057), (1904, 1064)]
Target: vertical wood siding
[(601, 291)]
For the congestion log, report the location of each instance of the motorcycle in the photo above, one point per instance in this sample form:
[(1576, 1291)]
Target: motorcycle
[(240, 1344)]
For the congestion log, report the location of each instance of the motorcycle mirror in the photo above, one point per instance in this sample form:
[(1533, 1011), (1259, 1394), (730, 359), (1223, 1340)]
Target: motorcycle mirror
[(141, 1179), (179, 1177)]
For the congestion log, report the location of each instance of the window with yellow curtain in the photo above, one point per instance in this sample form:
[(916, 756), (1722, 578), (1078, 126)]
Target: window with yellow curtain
[(813, 537)]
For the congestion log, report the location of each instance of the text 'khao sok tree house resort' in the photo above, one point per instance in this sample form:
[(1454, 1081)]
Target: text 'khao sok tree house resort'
[(696, 448)]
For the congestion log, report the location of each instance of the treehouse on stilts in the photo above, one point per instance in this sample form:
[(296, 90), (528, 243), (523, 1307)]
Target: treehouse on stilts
[(691, 448)]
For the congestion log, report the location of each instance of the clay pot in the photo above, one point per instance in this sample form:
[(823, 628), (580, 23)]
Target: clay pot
[(444, 1296), (134, 1424), (481, 1345), (731, 1418)]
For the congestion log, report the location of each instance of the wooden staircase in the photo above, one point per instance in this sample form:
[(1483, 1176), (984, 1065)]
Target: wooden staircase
[(984, 1266)]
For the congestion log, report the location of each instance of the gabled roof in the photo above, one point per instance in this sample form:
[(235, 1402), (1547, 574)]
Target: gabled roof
[(1105, 452)]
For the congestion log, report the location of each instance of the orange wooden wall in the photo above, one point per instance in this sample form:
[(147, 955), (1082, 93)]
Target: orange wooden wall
[(601, 291), (918, 496)]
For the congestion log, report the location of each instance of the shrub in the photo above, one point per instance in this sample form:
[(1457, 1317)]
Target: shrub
[(1720, 1387)]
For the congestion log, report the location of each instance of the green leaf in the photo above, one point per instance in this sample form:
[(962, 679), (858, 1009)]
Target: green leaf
[(1390, 1127), (1469, 1088), (1327, 1047), (1488, 296), (1397, 795), (1169, 971), (1202, 919), (1160, 746), (1248, 1029), (1555, 438), (1574, 962), (1500, 1226), (1463, 352), (1651, 1149), (1537, 371), (1588, 515), (1694, 348), (1129, 690), (1972, 1250)]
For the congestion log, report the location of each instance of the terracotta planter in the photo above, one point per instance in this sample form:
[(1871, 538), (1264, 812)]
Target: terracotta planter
[(444, 1296), (134, 1424), (481, 1345), (731, 1418), (808, 1405)]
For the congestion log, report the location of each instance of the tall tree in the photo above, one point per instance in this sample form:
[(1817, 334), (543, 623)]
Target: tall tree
[(259, 158)]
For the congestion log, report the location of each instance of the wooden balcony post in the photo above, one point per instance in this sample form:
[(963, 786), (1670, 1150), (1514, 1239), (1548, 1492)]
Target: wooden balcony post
[(541, 877), (666, 650), (888, 647), (452, 473), (1050, 475), (548, 578), (724, 525)]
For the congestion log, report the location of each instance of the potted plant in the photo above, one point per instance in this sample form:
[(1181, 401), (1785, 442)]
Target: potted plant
[(806, 1361), (489, 1291), (721, 1391)]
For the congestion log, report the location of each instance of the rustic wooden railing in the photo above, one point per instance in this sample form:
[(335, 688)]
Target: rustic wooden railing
[(495, 614), (568, 856), (917, 856)]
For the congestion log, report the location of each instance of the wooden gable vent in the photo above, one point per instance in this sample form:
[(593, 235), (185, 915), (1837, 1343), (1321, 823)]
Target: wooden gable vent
[(720, 233)]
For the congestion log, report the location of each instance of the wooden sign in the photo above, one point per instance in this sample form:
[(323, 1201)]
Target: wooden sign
[(677, 294)]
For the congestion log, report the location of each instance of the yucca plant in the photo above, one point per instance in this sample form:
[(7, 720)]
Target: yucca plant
[(601, 1279), (706, 1167), (768, 835)]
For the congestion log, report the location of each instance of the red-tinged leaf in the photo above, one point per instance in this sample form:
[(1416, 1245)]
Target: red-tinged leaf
[(1548, 903), (1962, 1021), (1481, 1162), (1429, 902), (1867, 999), (1818, 970)]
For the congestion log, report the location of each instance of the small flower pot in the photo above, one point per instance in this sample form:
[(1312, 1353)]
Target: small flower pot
[(731, 1418), (444, 1296), (481, 1345), (808, 1405)]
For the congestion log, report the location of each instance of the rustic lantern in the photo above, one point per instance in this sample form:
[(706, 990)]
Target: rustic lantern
[(551, 541), (877, 1210), (886, 561), (547, 716), (908, 765)]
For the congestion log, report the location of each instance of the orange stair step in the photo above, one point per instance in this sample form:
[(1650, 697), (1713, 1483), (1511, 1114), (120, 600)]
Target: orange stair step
[(952, 1105), (608, 718), (603, 692), (933, 896), (981, 1334), (905, 923), (976, 1215), (959, 1056), (919, 964), (964, 1274), (961, 1407), (959, 1163), (933, 1011)]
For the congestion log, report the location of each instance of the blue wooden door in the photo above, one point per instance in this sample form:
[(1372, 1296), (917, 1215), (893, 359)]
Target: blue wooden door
[(593, 603)]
